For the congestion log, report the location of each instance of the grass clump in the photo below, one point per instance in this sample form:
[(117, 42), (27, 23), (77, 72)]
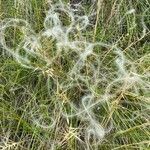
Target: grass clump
[(74, 75)]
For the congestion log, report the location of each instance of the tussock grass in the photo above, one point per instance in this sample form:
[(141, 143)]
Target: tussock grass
[(74, 75)]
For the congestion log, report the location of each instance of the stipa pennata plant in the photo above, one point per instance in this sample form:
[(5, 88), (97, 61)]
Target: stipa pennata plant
[(6, 143), (93, 82)]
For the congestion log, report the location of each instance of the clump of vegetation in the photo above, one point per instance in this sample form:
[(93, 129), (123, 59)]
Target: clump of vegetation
[(74, 75)]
